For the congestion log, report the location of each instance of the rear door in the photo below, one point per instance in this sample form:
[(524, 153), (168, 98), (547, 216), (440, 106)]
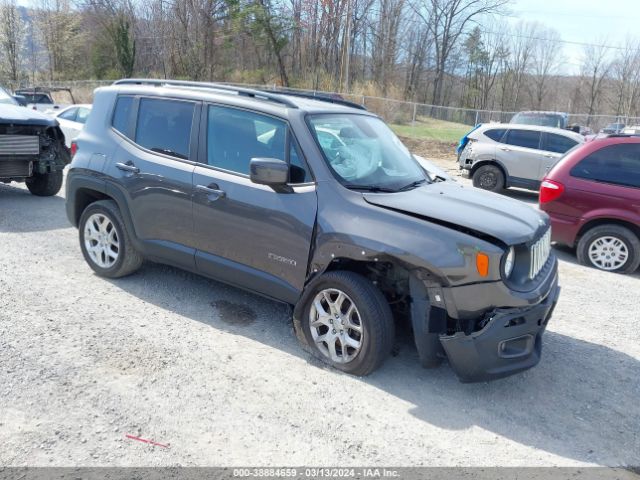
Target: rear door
[(153, 169), (554, 146), (520, 154), (247, 234)]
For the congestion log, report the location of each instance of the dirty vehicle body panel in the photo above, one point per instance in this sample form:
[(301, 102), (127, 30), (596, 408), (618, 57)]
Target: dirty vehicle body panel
[(418, 246), (30, 144)]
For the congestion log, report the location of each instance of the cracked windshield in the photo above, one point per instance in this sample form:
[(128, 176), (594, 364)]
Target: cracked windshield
[(365, 154)]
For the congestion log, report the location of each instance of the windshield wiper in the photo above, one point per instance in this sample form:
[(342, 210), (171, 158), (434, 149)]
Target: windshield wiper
[(412, 185), (370, 188), (167, 151)]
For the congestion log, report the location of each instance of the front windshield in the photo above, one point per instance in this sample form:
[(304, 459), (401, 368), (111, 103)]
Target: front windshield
[(5, 98), (364, 153)]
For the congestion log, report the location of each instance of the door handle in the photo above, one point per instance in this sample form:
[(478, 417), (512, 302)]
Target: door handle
[(127, 167), (505, 149), (548, 155), (212, 191)]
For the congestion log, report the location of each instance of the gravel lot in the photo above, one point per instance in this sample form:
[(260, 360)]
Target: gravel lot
[(217, 375)]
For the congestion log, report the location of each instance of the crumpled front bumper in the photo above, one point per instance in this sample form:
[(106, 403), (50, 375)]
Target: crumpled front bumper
[(509, 343)]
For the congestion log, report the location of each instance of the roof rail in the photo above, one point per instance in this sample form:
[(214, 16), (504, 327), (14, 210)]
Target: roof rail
[(245, 92), (322, 97)]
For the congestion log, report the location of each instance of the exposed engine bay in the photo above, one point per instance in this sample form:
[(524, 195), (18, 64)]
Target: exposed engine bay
[(26, 150)]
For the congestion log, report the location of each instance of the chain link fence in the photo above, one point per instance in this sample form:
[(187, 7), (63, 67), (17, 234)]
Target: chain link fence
[(409, 118)]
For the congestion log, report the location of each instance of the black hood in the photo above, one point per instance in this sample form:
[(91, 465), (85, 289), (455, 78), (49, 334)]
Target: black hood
[(510, 221), (17, 115)]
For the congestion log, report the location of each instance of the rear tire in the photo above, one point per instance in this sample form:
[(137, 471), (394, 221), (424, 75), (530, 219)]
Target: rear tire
[(489, 177), (362, 339), (105, 242), (604, 246), (45, 184)]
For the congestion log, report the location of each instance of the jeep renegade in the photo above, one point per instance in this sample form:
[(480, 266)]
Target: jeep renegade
[(315, 203)]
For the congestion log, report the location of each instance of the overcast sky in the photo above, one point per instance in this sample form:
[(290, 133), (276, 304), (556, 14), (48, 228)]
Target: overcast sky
[(607, 22)]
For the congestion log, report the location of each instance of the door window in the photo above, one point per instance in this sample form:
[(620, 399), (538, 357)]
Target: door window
[(523, 138), (617, 164), (164, 126), (559, 144), (236, 136), (69, 114)]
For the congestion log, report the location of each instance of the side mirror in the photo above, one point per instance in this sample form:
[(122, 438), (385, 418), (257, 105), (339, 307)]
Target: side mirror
[(269, 171), (22, 101)]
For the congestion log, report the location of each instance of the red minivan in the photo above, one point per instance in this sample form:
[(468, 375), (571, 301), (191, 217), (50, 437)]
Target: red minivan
[(592, 195)]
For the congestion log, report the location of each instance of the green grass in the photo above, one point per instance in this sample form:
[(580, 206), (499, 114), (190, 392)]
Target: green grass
[(430, 129)]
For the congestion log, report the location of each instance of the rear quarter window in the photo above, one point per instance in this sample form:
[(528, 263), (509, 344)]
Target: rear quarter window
[(559, 144), (495, 134), (122, 115), (615, 164)]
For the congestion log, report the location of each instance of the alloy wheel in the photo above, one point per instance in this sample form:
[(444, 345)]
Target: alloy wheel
[(336, 325), (101, 240)]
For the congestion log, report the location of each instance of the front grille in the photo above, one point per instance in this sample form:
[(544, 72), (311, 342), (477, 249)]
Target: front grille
[(539, 254), (18, 145), (15, 168)]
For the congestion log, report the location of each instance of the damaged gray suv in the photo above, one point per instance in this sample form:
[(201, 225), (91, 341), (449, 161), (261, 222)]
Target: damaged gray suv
[(315, 203)]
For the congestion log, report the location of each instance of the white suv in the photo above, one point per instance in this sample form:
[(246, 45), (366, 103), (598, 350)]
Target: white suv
[(499, 155)]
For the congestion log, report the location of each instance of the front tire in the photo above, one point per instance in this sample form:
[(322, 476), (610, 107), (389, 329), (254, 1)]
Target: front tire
[(105, 242), (612, 248), (347, 322), (45, 184), (489, 177)]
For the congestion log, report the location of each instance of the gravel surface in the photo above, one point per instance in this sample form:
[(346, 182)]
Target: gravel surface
[(215, 374)]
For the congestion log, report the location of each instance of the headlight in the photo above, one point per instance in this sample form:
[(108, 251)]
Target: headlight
[(509, 262)]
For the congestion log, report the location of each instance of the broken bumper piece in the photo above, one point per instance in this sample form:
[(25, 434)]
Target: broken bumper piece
[(510, 342)]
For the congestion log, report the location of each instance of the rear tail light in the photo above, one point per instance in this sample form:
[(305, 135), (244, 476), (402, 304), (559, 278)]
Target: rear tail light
[(74, 149), (550, 190)]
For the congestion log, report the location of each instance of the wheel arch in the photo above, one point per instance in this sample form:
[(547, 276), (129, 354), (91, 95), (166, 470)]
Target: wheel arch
[(494, 162), (597, 222), (83, 190), (85, 196), (419, 290)]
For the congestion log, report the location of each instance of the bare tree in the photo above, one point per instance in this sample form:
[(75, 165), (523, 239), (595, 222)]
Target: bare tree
[(448, 20), (12, 35), (594, 71), (60, 36), (546, 60), (625, 72), (523, 38)]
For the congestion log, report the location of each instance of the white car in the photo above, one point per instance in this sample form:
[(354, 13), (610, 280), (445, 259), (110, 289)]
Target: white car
[(72, 120), (503, 155)]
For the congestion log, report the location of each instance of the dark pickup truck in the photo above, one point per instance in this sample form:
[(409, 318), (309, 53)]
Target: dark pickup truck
[(32, 148)]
